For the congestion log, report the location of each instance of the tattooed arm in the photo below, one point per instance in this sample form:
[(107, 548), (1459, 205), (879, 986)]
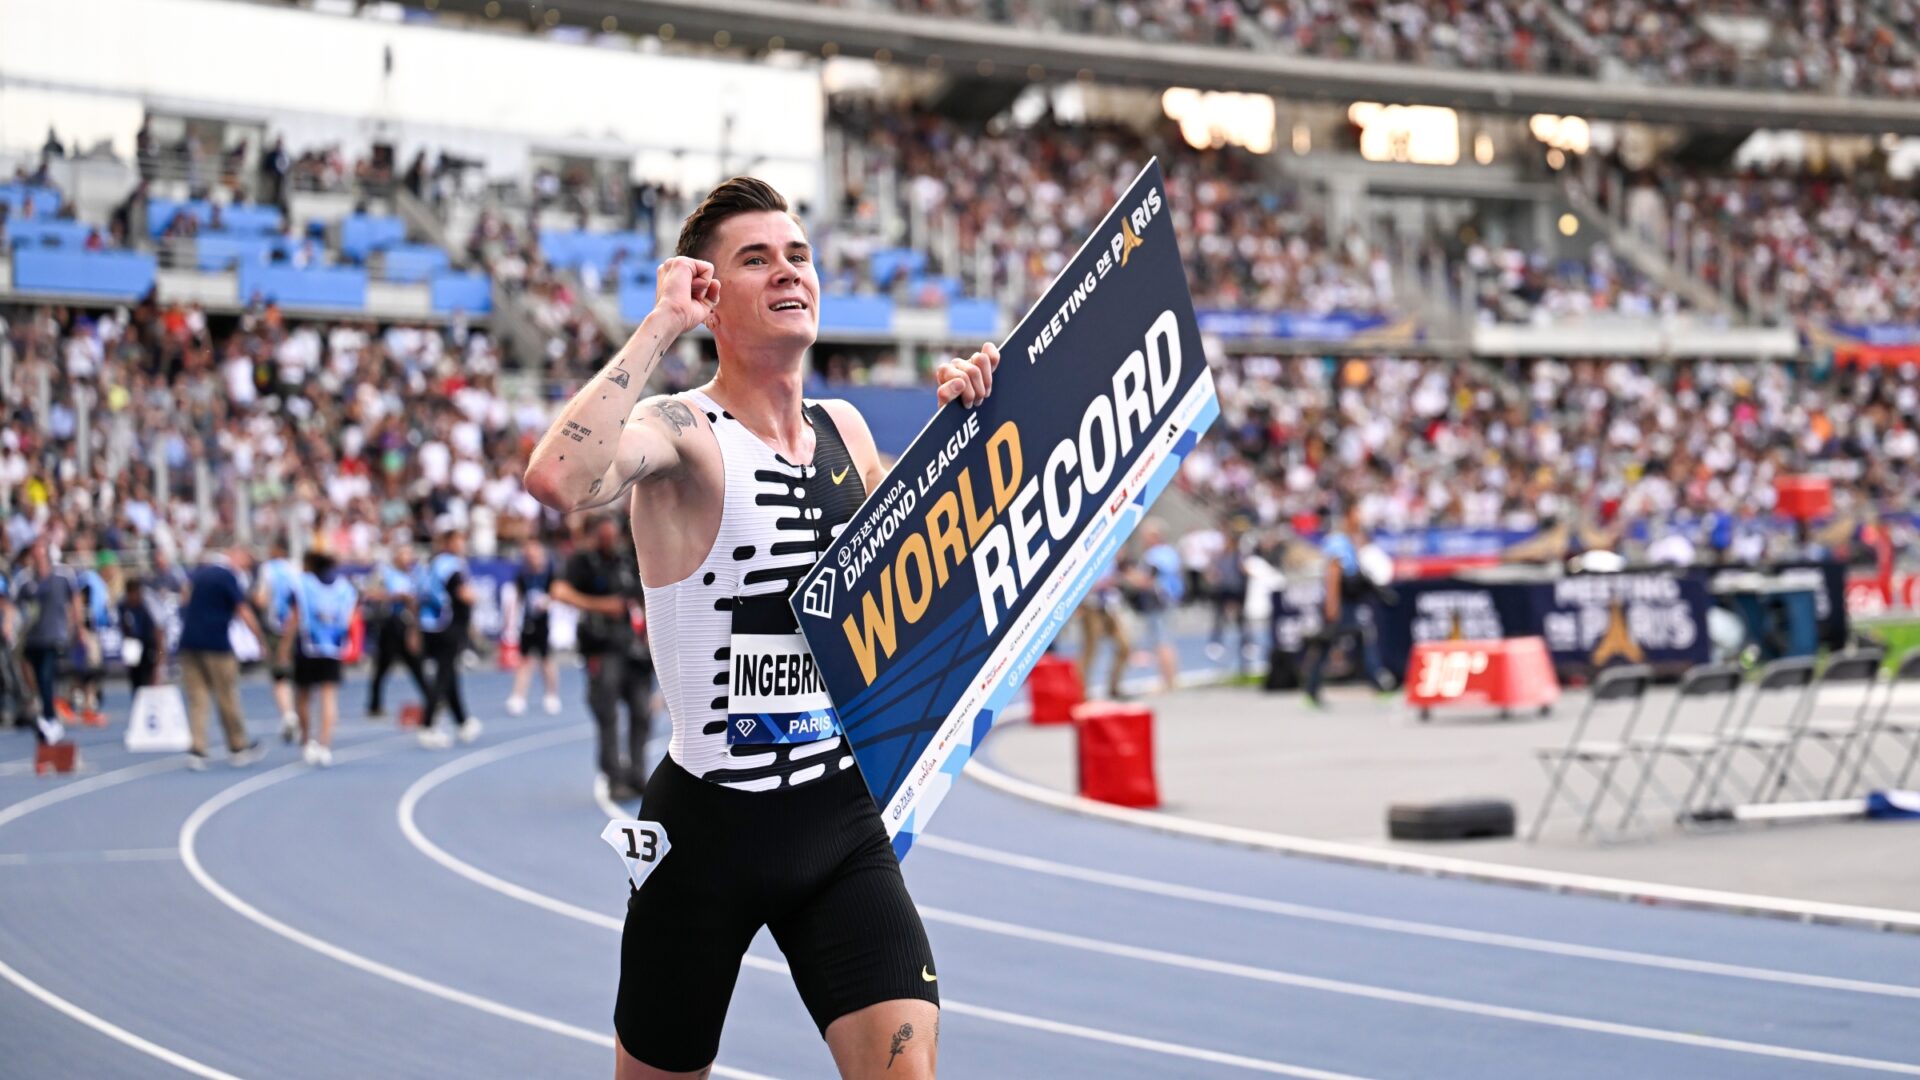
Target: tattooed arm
[(607, 439)]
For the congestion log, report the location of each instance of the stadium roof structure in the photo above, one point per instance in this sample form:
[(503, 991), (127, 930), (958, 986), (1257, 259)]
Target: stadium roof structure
[(1011, 52)]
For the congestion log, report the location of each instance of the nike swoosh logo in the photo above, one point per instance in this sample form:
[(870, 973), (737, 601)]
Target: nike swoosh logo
[(927, 976), (841, 475)]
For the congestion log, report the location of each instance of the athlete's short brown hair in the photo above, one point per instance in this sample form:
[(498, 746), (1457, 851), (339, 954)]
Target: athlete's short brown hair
[(740, 195)]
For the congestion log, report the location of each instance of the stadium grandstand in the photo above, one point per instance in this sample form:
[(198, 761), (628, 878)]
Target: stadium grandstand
[(1517, 288)]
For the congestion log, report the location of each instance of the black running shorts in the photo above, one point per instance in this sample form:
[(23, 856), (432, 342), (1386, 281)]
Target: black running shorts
[(812, 863), (314, 670), (535, 630)]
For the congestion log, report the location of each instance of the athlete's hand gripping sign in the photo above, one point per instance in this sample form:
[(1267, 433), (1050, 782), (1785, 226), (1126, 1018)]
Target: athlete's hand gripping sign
[(930, 608)]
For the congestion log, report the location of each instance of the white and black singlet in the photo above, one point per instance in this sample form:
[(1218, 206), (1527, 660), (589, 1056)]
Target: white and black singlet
[(749, 710)]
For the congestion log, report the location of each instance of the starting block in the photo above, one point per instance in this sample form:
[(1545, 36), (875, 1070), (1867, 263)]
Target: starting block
[(60, 757), (411, 715), (1116, 753), (1054, 687), (1509, 675)]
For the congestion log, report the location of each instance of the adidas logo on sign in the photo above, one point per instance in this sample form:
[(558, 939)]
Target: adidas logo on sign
[(744, 726), (818, 599)]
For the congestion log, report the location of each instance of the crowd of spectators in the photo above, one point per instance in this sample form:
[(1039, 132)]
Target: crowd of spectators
[(1825, 46), (1019, 200), (1529, 444), (1788, 242), (340, 429), (1516, 285)]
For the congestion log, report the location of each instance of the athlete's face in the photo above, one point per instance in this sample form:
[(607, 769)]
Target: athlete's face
[(769, 290)]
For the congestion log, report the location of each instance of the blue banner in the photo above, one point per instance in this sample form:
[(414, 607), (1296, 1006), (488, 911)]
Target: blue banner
[(1297, 326), (934, 602), (1451, 543), (1879, 334)]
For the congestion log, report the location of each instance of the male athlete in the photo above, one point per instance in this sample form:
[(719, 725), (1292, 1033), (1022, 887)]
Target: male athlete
[(737, 487)]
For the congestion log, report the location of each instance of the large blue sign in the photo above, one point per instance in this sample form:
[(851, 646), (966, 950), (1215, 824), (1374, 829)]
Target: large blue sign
[(934, 602)]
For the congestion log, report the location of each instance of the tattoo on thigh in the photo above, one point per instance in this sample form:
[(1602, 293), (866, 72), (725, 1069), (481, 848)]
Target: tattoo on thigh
[(676, 414), (900, 1040)]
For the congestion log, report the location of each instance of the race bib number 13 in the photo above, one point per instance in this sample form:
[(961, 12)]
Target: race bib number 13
[(640, 844)]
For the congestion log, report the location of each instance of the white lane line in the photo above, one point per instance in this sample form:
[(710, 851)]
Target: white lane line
[(189, 835), (962, 849), (1555, 881), (62, 1005), (1405, 997), (410, 800), (92, 783), (51, 858), (110, 1029), (267, 730)]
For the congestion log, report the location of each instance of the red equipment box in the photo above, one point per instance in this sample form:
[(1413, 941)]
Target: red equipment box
[(1116, 753), (61, 757), (1509, 674), (1054, 688)]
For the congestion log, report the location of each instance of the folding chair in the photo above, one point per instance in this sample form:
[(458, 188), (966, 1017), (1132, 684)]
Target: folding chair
[(1856, 671), (1787, 679), (1620, 686), (1904, 730), (1692, 732)]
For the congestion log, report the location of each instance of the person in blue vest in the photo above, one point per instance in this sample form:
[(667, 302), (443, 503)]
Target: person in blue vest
[(446, 604), (318, 625), (273, 595), (391, 598)]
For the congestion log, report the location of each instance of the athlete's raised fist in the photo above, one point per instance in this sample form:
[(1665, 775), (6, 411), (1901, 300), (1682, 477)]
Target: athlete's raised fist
[(969, 380), (686, 292)]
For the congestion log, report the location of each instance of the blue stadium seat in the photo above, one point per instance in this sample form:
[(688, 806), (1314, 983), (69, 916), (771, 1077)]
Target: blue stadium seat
[(973, 318), (470, 292), (636, 299), (46, 201), (216, 251), (48, 232), (946, 287), (874, 313), (344, 288), (414, 262), (124, 275), (252, 218), (886, 262), (570, 249), (161, 212), (363, 234)]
